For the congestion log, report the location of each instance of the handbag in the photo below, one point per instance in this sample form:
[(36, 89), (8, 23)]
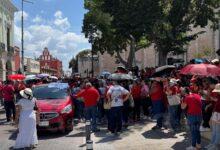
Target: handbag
[(173, 100), (107, 105)]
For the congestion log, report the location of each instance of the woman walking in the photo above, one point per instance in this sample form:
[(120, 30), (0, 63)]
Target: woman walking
[(26, 116)]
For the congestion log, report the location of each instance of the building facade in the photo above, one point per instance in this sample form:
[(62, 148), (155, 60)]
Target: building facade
[(7, 65), (85, 65), (32, 66), (49, 64)]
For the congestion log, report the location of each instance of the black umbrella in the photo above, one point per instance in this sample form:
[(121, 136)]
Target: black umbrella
[(163, 71)]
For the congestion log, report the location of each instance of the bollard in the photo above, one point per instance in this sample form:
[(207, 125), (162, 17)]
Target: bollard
[(89, 145), (88, 130)]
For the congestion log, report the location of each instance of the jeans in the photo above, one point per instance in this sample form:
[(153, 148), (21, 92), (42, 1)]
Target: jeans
[(158, 111), (101, 110), (78, 109), (90, 114), (9, 108), (126, 111), (137, 109), (194, 124), (206, 115), (175, 114), (115, 124), (215, 134)]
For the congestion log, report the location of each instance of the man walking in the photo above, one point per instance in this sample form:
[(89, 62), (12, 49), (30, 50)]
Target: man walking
[(8, 96), (91, 97)]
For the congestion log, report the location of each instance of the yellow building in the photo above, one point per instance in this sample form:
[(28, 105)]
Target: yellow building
[(7, 10)]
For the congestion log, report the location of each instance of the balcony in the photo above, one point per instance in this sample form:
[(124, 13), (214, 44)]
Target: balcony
[(2, 47)]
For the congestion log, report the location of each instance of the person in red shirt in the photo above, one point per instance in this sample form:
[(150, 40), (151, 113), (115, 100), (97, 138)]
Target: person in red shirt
[(136, 94), (1, 98), (91, 97), (215, 120), (193, 104), (157, 98), (8, 96)]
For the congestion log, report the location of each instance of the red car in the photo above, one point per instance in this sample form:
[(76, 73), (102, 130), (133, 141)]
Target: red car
[(56, 107)]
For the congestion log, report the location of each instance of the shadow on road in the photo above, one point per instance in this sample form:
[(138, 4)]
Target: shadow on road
[(50, 135), (160, 134)]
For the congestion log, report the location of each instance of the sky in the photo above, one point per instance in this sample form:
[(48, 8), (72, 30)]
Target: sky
[(56, 24)]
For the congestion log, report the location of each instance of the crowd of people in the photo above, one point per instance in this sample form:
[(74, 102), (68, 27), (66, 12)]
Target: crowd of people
[(122, 103)]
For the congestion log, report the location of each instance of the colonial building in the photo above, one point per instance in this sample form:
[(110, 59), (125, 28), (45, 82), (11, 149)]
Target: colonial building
[(50, 64), (7, 65), (85, 65), (32, 66)]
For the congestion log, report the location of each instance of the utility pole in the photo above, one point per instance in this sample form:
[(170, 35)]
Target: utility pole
[(22, 33), (92, 61)]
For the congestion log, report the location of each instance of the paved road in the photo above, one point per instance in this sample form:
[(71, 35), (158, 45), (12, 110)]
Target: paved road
[(136, 137)]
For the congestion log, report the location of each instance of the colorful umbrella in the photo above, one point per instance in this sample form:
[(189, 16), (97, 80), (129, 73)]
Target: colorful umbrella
[(16, 77), (201, 69), (120, 76)]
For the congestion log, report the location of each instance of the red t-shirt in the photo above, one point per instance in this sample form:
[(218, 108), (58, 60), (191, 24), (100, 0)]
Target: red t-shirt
[(8, 92), (90, 96), (158, 94), (194, 104), (136, 92), (217, 105)]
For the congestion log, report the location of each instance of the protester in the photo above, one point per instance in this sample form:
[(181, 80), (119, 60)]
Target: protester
[(116, 95), (9, 97), (145, 99), (26, 120), (102, 92), (136, 94), (193, 104), (215, 122), (91, 97), (158, 106), (173, 96)]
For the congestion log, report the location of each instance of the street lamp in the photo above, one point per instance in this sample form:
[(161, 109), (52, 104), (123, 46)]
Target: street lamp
[(22, 33)]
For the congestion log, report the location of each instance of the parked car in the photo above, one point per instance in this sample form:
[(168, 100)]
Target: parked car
[(56, 107)]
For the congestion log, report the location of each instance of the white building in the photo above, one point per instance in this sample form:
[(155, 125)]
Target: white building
[(7, 65)]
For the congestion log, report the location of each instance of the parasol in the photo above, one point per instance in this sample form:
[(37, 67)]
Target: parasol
[(16, 77), (120, 76)]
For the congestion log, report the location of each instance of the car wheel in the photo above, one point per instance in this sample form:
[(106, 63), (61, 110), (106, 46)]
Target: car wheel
[(62, 131)]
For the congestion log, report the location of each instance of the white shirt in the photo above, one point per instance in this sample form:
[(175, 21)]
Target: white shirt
[(117, 93)]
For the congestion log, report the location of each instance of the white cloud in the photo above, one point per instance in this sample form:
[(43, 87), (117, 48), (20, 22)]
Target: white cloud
[(41, 33), (18, 16), (37, 19), (58, 14), (60, 21)]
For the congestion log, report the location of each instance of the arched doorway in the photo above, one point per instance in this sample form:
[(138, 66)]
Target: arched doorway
[(8, 68)]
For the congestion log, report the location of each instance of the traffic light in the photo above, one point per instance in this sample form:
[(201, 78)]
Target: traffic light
[(25, 68)]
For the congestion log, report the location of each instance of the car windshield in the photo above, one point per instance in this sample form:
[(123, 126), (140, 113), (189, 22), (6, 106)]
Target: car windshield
[(49, 93)]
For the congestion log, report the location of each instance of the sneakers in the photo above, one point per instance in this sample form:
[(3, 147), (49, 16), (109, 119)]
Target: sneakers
[(202, 129), (191, 148), (156, 128)]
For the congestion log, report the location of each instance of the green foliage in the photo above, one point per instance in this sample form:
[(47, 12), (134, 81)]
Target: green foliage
[(138, 23)]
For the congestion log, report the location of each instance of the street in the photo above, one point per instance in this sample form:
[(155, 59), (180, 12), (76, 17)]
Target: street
[(138, 136)]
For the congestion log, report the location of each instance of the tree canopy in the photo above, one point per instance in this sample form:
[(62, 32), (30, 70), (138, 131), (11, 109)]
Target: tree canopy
[(133, 25)]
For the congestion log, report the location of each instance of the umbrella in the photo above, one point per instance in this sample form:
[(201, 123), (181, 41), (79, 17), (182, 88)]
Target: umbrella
[(53, 77), (105, 74), (30, 76), (43, 75), (201, 69), (16, 77), (120, 76), (163, 71)]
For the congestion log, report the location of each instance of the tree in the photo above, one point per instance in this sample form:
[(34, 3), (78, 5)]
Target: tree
[(121, 24), (135, 24), (171, 34), (73, 64)]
